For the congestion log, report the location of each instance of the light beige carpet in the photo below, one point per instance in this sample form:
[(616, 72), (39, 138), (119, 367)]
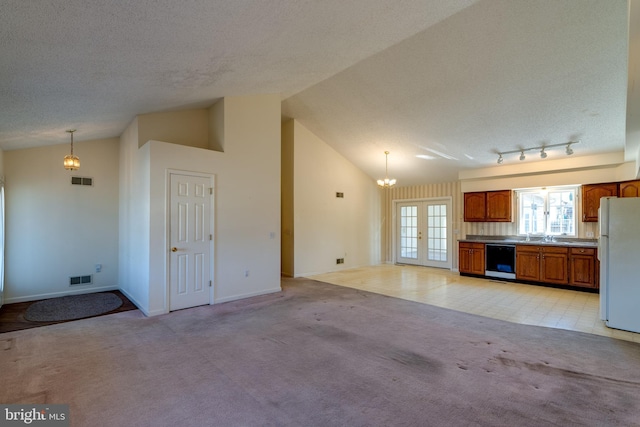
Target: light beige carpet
[(321, 355)]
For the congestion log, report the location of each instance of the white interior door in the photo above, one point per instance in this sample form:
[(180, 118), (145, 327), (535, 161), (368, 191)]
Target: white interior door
[(190, 241), (423, 233)]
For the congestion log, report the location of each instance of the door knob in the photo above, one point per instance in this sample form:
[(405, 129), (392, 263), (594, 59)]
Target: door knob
[(174, 249)]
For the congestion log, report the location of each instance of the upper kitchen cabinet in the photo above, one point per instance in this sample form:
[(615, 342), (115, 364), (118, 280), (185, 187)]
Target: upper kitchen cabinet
[(629, 189), (499, 206), (487, 206), (591, 194), (475, 205)]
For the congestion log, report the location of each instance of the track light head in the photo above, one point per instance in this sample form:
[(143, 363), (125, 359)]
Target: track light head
[(500, 159), (569, 150), (522, 157), (543, 154)]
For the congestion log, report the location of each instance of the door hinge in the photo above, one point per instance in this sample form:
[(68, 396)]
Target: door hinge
[(210, 236), (210, 190), (210, 283)]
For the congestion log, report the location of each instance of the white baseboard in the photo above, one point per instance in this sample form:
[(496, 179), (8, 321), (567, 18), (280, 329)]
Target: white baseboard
[(37, 297), (252, 294)]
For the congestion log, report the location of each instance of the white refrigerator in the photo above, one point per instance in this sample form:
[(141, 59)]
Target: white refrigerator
[(619, 254)]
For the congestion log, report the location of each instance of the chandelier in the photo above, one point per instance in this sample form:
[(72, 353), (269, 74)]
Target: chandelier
[(71, 162), (386, 182)]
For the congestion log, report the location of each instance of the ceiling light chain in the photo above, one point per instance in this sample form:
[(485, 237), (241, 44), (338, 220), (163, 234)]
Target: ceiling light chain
[(386, 182), (542, 148)]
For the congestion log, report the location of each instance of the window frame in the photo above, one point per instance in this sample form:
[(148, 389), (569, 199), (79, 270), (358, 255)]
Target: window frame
[(544, 192)]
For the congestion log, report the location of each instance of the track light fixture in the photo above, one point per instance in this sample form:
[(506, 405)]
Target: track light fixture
[(542, 148)]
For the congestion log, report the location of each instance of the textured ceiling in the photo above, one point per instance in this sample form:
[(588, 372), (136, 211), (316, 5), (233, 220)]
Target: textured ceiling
[(464, 78)]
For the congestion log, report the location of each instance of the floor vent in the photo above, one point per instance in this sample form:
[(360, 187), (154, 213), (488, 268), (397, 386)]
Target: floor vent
[(81, 280), (79, 180)]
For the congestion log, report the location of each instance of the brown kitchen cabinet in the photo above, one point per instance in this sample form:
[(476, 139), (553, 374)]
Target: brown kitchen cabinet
[(528, 263), (547, 264), (629, 189), (475, 206), (583, 268), (591, 194), (471, 258), (487, 206), (499, 206)]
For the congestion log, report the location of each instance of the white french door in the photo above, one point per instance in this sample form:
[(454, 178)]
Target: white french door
[(423, 233)]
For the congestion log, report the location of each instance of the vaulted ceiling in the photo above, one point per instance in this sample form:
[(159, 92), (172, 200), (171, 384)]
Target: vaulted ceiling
[(453, 82)]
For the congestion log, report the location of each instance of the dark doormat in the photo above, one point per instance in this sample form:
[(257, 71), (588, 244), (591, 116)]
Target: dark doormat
[(72, 307), (13, 317)]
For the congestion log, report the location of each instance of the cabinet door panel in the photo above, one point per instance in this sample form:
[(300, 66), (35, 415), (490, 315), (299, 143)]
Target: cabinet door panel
[(553, 268), (629, 189), (591, 195), (464, 260), (527, 263), (475, 206), (583, 270), (499, 206), (477, 261)]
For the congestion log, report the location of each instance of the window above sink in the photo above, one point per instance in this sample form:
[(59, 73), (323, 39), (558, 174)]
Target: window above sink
[(549, 211)]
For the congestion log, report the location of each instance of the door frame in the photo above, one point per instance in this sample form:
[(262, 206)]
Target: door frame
[(394, 228), (167, 237)]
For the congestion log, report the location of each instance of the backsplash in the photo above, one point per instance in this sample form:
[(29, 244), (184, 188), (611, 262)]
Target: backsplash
[(510, 229)]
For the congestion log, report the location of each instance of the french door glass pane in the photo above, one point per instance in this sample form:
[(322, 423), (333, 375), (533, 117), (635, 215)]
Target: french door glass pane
[(409, 232), (437, 232)]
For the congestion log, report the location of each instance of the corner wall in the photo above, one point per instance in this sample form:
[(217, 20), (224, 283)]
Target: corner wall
[(56, 230), (246, 204), (326, 227)]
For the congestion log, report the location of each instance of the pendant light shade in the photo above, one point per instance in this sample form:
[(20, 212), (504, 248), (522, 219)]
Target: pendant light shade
[(71, 162)]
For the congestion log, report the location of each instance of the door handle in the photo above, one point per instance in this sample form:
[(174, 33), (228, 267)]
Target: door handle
[(174, 249)]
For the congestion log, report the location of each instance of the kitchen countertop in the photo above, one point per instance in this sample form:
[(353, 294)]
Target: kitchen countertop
[(537, 241)]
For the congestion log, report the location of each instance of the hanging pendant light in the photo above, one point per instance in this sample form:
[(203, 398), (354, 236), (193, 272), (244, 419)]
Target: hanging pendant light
[(71, 162), (386, 182)]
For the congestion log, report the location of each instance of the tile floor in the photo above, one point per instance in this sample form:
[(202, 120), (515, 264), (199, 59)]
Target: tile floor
[(513, 302)]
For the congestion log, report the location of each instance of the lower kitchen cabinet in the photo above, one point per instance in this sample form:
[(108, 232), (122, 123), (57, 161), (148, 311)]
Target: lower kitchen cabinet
[(471, 258), (554, 265), (546, 264), (528, 263), (583, 268)]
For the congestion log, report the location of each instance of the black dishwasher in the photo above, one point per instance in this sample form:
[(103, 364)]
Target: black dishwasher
[(500, 261)]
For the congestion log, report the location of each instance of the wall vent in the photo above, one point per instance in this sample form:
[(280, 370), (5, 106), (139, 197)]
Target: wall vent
[(81, 280), (340, 195), (79, 180), (340, 261)]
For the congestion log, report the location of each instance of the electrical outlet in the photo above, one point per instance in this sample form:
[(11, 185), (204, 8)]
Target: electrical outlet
[(589, 234)]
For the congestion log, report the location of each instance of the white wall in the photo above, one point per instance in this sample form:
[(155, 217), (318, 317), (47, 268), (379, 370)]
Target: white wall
[(326, 227), (55, 230), (246, 199), (133, 248)]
